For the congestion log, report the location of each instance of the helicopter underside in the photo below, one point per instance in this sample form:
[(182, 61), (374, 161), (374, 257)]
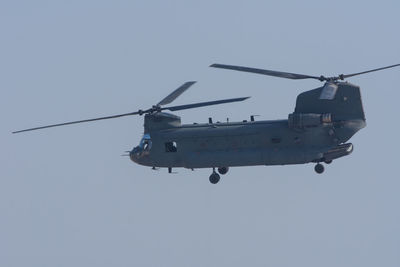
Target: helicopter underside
[(252, 157)]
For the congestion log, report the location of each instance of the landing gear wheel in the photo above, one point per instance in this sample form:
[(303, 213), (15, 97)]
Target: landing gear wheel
[(328, 161), (214, 178), (223, 170), (319, 168)]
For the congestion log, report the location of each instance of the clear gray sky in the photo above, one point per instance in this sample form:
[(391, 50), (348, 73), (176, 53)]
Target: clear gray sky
[(67, 198)]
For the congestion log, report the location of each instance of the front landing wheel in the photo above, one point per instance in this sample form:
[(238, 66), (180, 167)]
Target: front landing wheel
[(214, 178), (319, 168)]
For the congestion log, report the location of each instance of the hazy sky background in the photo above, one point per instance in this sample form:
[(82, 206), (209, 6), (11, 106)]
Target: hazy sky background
[(67, 197)]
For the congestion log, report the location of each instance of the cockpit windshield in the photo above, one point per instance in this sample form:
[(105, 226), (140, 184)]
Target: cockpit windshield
[(145, 143)]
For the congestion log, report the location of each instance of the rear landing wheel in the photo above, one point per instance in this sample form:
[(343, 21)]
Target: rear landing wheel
[(223, 170), (328, 161), (214, 178), (319, 168)]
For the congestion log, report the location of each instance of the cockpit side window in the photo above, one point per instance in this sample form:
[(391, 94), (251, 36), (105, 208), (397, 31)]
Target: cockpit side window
[(146, 145), (171, 147)]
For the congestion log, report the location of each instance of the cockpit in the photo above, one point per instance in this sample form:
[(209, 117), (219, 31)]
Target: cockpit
[(142, 149), (145, 143)]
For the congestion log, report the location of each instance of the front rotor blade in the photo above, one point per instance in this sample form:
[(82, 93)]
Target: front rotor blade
[(177, 92), (359, 73), (74, 122), (280, 74), (203, 104)]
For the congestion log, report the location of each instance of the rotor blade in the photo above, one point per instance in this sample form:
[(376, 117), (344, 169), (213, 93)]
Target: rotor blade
[(74, 122), (359, 73), (177, 92), (266, 72), (203, 104)]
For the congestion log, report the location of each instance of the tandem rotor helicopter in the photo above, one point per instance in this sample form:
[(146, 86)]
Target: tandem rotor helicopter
[(323, 120)]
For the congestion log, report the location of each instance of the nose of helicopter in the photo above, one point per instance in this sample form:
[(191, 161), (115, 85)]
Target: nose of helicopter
[(134, 154), (140, 157)]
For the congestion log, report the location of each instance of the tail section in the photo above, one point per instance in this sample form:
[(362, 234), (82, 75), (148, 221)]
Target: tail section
[(345, 105), (343, 109)]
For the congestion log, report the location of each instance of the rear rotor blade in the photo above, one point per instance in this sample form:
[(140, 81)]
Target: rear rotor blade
[(74, 122), (359, 73), (280, 74), (177, 92), (203, 104)]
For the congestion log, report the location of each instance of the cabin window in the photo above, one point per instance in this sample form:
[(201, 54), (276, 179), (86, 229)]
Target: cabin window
[(276, 140), (171, 147)]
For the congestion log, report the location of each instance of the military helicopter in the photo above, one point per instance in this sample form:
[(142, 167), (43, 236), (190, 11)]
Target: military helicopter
[(323, 121)]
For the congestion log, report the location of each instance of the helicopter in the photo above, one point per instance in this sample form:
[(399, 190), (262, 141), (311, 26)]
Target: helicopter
[(323, 121)]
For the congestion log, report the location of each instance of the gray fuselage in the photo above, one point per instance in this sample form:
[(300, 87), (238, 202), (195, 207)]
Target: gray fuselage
[(316, 131), (243, 144)]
